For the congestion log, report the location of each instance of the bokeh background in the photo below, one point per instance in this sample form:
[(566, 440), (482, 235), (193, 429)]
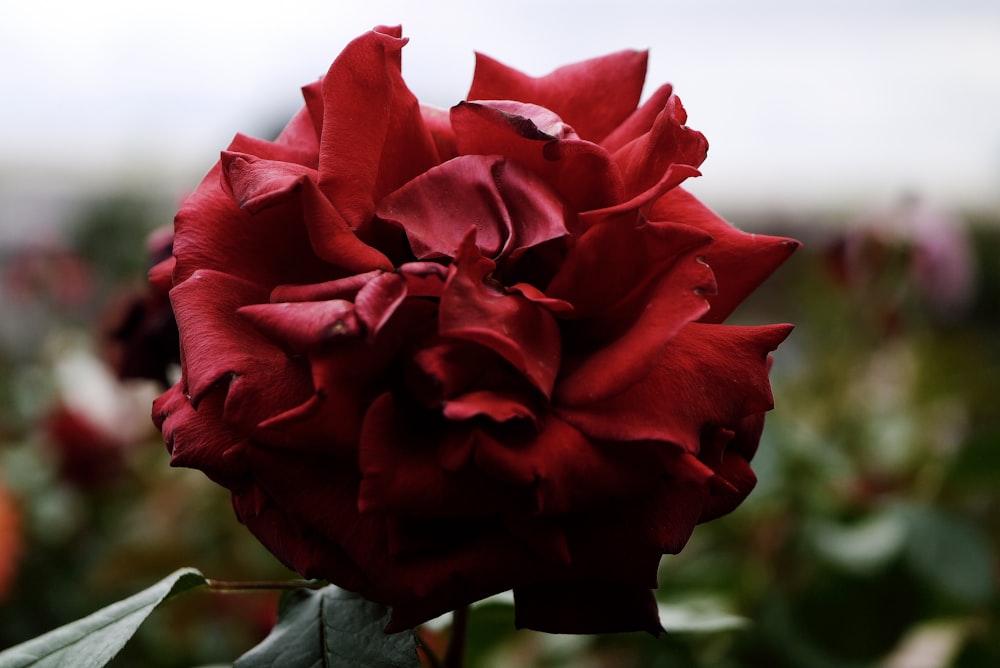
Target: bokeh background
[(870, 130)]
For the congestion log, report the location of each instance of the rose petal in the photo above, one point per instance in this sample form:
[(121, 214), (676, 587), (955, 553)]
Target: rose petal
[(521, 331), (623, 319), (199, 438), (511, 208), (713, 375), (305, 326), (645, 159), (594, 96), (740, 261), (220, 347), (374, 139), (212, 232), (582, 173), (639, 121)]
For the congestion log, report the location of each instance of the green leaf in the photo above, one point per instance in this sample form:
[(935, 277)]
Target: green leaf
[(93, 641), (332, 628)]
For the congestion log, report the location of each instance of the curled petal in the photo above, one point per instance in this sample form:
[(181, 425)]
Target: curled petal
[(374, 138), (305, 326), (198, 438), (645, 159), (594, 96), (581, 172), (511, 208), (521, 331)]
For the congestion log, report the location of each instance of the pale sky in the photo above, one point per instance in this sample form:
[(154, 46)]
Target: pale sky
[(845, 103)]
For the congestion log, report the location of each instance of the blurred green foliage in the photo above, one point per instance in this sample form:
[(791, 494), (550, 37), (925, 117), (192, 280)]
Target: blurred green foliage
[(872, 536)]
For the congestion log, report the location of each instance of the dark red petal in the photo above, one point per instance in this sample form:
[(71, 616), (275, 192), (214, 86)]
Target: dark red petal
[(212, 232), (593, 96), (218, 346), (499, 407), (712, 375), (739, 260), (568, 471), (402, 474), (728, 453), (640, 121), (256, 183), (629, 314), (521, 331), (200, 439), (582, 173), (305, 326), (374, 139), (645, 159), (301, 134), (267, 150), (438, 122)]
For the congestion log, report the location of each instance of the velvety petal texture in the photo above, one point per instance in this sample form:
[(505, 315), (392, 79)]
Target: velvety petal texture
[(440, 354)]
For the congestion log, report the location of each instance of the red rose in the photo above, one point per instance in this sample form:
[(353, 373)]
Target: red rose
[(439, 355)]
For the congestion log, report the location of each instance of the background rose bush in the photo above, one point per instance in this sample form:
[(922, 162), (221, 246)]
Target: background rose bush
[(439, 355)]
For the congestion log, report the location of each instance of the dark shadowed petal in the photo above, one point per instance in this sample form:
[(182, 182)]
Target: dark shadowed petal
[(374, 139), (728, 453), (593, 96), (706, 375), (219, 347), (511, 208), (521, 331), (400, 464), (632, 288), (199, 439), (568, 471), (740, 261), (582, 173), (304, 326)]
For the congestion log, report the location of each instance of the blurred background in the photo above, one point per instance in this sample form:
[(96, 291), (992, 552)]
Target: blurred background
[(869, 130)]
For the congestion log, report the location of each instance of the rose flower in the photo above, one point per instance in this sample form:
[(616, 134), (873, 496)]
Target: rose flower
[(440, 355)]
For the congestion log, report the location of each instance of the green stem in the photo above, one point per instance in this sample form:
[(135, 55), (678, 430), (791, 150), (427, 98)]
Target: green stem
[(455, 656)]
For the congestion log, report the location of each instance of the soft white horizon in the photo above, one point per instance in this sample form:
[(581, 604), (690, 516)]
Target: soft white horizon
[(847, 104)]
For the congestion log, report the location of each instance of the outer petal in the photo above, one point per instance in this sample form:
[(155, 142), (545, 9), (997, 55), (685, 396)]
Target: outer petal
[(708, 375), (199, 438), (632, 288), (739, 260), (219, 348), (581, 172), (645, 159), (594, 96), (212, 232), (374, 138), (640, 121)]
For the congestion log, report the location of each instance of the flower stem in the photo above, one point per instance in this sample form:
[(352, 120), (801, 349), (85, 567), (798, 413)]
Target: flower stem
[(455, 656), (258, 585)]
